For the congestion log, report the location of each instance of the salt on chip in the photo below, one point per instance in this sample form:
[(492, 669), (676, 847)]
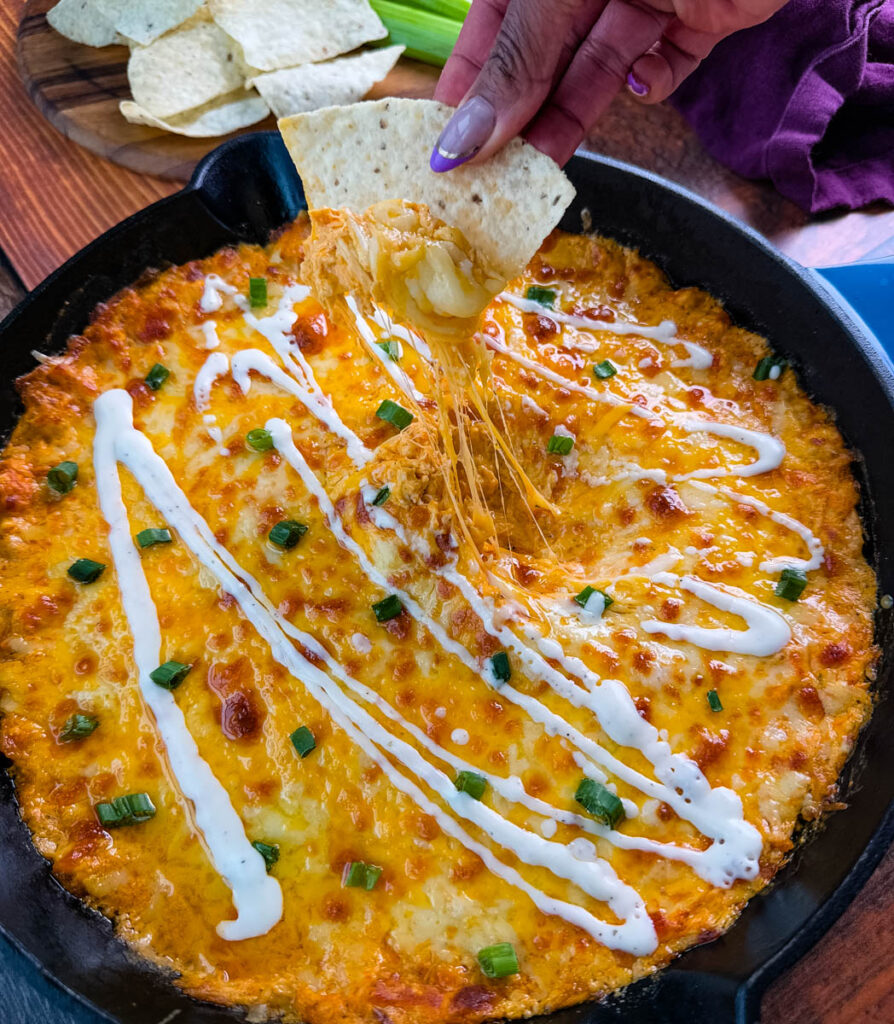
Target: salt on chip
[(282, 33), (145, 20), (187, 68), (335, 82), (354, 157), (220, 117), (82, 22)]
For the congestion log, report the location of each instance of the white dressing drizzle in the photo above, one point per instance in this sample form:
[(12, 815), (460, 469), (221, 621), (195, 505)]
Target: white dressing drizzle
[(211, 299), (394, 370), (256, 896), (767, 631), (276, 329), (254, 359), (216, 365), (664, 333), (716, 813), (635, 934), (383, 320), (770, 450), (813, 543), (209, 329), (605, 397)]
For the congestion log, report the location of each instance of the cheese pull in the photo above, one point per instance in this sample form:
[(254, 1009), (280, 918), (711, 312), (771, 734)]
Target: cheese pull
[(396, 254)]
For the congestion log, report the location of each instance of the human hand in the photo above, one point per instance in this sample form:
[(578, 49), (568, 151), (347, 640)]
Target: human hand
[(550, 68)]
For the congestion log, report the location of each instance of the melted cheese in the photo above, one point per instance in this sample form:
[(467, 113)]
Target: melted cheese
[(279, 639)]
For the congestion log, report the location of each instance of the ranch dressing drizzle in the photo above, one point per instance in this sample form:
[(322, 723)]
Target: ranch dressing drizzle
[(635, 934), (737, 854), (209, 329), (397, 373), (716, 813), (383, 320), (596, 878), (256, 896), (212, 300), (216, 365), (664, 333), (276, 329), (767, 631), (770, 451), (556, 378), (254, 359), (813, 543)]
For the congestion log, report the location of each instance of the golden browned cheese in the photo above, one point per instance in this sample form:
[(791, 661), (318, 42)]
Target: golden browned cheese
[(405, 952)]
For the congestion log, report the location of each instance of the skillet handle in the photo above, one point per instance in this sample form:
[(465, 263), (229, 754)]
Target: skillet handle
[(869, 289)]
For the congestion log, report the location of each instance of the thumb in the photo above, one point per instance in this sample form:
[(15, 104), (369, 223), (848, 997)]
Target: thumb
[(513, 83)]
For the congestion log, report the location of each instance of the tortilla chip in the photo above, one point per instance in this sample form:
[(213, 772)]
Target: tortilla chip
[(185, 69), (282, 33), (82, 22), (339, 81), (145, 20), (220, 117), (354, 157)]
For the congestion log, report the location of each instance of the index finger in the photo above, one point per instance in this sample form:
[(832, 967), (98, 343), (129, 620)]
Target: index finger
[(475, 42)]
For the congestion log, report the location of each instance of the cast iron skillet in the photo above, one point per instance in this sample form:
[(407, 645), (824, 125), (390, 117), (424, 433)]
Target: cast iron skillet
[(248, 187)]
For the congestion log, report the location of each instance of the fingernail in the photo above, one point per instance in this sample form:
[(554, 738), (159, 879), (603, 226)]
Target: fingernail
[(637, 87), (466, 132)]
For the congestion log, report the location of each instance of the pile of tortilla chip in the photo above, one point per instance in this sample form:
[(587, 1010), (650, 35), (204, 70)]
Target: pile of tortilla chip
[(209, 67)]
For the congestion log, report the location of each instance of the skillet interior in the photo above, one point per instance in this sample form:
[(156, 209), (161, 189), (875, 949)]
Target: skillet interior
[(240, 193)]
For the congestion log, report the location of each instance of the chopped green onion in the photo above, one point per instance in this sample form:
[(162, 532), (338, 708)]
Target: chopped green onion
[(391, 349), (471, 783), (394, 414), (303, 740), (359, 875), (498, 961), (604, 370), (270, 853), (257, 292), (500, 667), (542, 296), (147, 538), (62, 478), (714, 702), (791, 584), (426, 36), (602, 804), (85, 570), (584, 596), (388, 608), (287, 534), (157, 376), (170, 675), (133, 809), (764, 369), (382, 496), (261, 440), (560, 444), (78, 727)]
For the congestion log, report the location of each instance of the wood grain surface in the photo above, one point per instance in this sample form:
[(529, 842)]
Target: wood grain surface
[(78, 89), (55, 197)]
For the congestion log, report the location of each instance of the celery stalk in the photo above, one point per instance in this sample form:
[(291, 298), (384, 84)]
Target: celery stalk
[(454, 9), (426, 36)]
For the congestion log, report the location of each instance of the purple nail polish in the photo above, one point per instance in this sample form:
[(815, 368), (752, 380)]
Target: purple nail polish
[(466, 132), (439, 163), (636, 86)]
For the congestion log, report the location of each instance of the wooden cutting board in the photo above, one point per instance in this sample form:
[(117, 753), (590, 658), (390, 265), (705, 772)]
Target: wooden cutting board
[(78, 89)]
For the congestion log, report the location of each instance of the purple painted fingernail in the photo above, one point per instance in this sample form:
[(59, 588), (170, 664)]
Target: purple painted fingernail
[(637, 87), (466, 132)]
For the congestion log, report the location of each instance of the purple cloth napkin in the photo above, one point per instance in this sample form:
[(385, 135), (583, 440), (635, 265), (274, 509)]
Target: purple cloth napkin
[(806, 100)]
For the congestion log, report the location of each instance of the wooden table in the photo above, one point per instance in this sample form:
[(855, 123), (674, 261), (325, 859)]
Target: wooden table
[(54, 198)]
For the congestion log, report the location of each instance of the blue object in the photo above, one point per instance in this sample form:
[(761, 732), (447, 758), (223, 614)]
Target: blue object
[(869, 289)]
